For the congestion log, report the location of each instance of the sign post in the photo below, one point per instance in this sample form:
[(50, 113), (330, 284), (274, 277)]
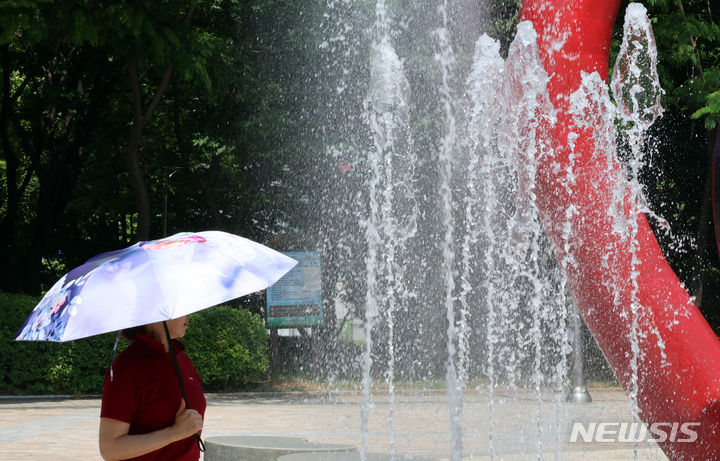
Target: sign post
[(296, 299)]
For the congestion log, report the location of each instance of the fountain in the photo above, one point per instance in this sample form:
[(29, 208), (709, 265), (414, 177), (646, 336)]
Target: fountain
[(492, 207)]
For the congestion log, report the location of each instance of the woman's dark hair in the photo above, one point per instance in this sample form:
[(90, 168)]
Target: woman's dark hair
[(131, 333)]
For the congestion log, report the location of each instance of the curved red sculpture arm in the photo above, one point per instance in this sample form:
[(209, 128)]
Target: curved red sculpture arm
[(677, 364)]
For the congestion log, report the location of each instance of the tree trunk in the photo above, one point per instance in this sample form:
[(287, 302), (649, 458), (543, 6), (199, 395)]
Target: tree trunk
[(7, 231), (142, 200), (132, 153)]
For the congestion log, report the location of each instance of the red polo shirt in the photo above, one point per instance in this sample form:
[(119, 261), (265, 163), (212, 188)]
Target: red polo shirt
[(145, 392)]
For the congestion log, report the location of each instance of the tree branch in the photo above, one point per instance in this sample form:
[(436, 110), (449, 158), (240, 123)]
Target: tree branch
[(25, 141), (190, 12), (20, 89), (26, 180), (159, 93), (693, 42)]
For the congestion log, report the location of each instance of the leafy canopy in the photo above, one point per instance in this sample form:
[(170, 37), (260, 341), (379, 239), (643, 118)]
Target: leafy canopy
[(688, 40)]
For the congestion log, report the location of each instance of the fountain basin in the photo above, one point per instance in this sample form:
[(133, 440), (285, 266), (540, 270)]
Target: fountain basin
[(263, 448), (347, 456)]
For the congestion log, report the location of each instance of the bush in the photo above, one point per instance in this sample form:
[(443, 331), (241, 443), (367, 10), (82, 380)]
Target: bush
[(228, 347), (38, 367), (22, 365)]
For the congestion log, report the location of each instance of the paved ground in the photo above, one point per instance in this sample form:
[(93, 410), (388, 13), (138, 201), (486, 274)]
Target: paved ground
[(523, 426)]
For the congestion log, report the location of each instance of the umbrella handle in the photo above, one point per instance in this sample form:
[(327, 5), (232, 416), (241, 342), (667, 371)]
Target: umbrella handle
[(201, 445)]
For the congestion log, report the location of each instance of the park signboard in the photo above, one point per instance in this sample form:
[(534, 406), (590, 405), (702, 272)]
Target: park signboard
[(296, 299)]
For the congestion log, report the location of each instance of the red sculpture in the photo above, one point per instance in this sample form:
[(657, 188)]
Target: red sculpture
[(678, 365)]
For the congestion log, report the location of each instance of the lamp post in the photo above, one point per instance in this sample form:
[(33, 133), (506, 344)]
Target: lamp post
[(578, 393), (166, 180)]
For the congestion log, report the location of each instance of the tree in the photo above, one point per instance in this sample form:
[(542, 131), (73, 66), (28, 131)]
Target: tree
[(688, 41), (55, 93), (81, 84)]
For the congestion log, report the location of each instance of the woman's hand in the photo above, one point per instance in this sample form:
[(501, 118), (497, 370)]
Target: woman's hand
[(187, 422), (117, 443)]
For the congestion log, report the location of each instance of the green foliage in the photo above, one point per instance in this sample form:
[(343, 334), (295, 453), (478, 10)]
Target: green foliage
[(505, 14), (711, 112), (688, 42), (67, 194), (22, 365), (228, 347), (76, 368)]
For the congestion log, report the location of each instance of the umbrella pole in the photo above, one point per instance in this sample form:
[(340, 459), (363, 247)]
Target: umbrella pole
[(201, 445)]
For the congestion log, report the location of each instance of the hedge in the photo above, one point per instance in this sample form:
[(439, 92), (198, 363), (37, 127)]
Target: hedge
[(76, 367), (228, 346)]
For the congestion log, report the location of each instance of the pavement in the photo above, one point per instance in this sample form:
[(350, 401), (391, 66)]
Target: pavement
[(517, 426)]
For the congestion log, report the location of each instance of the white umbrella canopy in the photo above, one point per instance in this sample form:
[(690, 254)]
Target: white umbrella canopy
[(153, 281)]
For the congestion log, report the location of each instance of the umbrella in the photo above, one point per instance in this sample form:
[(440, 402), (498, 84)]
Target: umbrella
[(151, 282)]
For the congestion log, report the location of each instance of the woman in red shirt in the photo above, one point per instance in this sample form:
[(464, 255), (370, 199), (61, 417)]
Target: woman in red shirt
[(143, 414)]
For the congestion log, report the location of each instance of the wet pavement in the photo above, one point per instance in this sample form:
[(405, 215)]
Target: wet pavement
[(523, 426)]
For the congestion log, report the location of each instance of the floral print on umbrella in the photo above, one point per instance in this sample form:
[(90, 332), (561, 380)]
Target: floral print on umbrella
[(48, 320)]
